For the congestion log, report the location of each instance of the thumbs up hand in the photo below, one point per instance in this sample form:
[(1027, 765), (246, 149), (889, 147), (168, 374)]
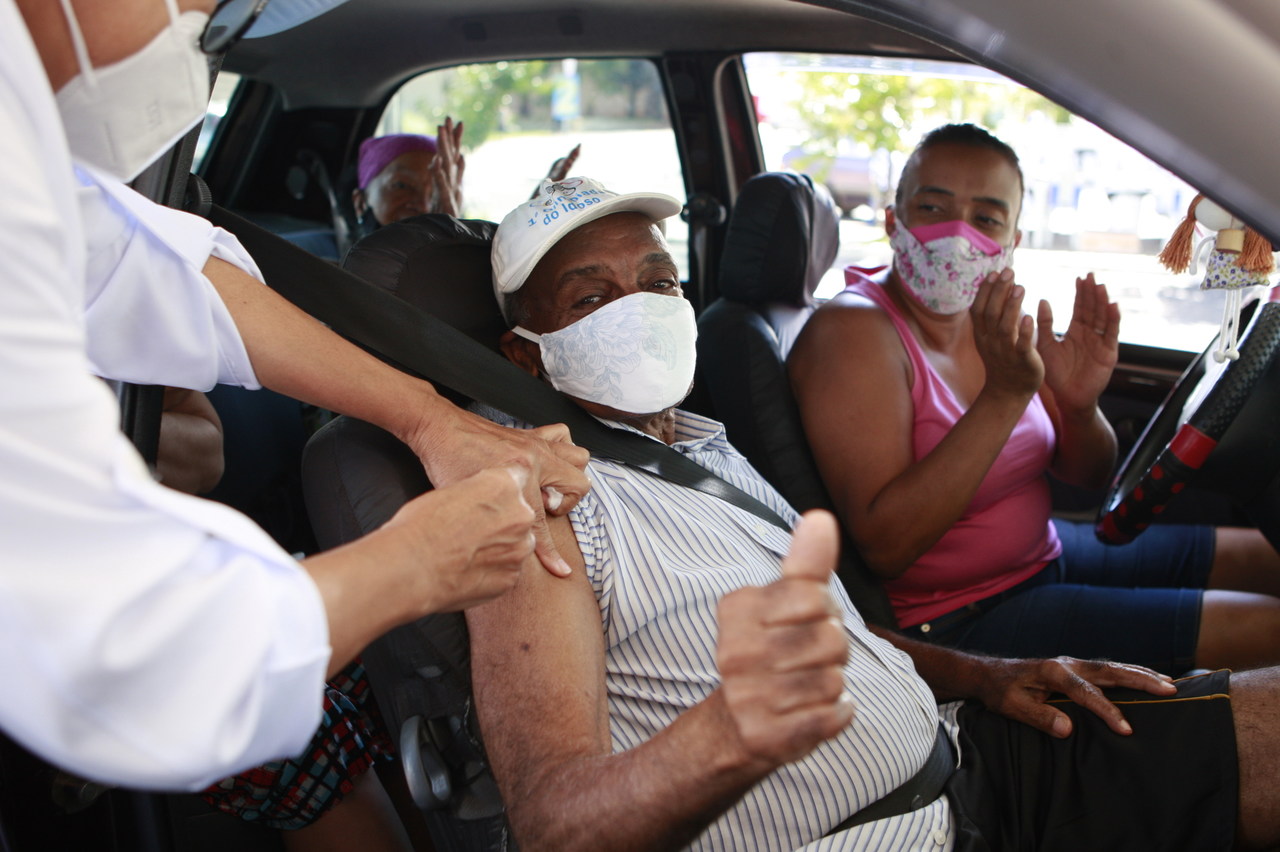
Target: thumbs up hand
[(781, 653)]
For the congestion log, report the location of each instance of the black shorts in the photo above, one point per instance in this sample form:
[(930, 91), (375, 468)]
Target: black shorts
[(1172, 785)]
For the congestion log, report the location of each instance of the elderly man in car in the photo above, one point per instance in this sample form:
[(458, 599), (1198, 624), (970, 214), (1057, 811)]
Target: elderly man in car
[(703, 680)]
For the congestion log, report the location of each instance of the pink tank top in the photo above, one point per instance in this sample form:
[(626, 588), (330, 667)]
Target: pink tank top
[(1004, 536)]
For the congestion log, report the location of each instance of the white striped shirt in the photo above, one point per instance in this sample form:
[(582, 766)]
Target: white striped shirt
[(660, 556)]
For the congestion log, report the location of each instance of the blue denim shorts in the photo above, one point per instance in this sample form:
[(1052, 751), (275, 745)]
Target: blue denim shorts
[(1136, 603)]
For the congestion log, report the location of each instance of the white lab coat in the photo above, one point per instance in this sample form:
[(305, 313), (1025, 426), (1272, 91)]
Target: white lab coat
[(147, 638)]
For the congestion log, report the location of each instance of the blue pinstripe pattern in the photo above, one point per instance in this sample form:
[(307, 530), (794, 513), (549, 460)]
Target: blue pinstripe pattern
[(660, 556)]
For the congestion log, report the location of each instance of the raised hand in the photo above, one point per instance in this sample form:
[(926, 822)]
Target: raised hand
[(782, 650), (1078, 365), (560, 168), (1019, 689), (1004, 338), (447, 167)]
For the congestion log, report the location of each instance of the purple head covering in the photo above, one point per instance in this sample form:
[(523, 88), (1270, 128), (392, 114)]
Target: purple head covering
[(377, 152)]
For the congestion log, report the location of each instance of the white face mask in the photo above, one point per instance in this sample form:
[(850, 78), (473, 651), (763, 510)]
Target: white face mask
[(635, 354), (943, 264), (121, 117)]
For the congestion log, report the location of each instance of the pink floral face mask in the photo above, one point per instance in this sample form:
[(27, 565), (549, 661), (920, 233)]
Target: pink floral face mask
[(943, 264)]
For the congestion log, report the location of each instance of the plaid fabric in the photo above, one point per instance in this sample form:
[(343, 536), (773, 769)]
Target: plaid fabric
[(292, 794)]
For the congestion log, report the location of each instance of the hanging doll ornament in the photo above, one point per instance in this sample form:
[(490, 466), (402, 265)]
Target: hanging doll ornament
[(1240, 258)]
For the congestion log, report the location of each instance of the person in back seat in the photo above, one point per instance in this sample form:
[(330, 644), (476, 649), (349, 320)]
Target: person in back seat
[(406, 174), (693, 684), (934, 425)]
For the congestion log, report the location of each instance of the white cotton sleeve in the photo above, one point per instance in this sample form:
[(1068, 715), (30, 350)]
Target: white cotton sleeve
[(152, 316), (154, 640)]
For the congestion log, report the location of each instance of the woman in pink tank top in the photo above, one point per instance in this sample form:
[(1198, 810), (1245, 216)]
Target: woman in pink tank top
[(934, 411)]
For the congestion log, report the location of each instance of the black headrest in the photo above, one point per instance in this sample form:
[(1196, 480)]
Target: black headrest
[(783, 236), (439, 264)]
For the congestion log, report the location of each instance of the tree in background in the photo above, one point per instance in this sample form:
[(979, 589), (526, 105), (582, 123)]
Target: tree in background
[(872, 112), (514, 97), (488, 98)]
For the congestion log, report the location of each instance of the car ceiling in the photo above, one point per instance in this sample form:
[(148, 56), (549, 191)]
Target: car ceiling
[(435, 33), (1192, 84), (1195, 84)]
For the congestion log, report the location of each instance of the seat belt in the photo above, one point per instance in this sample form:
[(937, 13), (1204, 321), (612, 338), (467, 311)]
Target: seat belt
[(422, 344), (916, 792)]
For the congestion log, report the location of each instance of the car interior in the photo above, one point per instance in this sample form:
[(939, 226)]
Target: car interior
[(711, 101)]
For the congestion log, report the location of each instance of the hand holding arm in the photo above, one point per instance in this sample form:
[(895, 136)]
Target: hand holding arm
[(1077, 369), (453, 444), (449, 549)]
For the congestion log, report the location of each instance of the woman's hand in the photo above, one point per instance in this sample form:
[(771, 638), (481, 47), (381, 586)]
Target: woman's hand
[(1004, 338), (1078, 366)]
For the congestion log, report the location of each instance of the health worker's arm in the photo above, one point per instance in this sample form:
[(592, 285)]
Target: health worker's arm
[(208, 318)]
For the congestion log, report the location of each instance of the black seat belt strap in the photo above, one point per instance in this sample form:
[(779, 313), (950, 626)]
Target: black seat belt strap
[(431, 348), (919, 790)]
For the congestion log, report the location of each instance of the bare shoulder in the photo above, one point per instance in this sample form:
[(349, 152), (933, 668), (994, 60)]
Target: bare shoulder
[(537, 666), (538, 597), (849, 329)]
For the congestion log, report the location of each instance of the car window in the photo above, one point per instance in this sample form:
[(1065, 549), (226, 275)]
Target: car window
[(1092, 203), (223, 88), (519, 117)]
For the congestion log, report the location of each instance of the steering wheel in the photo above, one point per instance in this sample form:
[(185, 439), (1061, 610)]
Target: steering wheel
[(1190, 424)]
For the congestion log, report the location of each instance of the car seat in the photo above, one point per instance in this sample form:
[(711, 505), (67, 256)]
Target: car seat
[(356, 476), (782, 237), (263, 435)]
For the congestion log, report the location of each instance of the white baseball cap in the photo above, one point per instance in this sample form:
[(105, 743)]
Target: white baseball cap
[(528, 232)]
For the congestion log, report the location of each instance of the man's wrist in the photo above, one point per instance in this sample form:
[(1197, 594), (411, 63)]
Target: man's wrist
[(951, 674), (730, 758), (971, 672)]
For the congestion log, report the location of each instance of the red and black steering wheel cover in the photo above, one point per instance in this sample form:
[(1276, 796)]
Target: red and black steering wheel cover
[(1125, 516)]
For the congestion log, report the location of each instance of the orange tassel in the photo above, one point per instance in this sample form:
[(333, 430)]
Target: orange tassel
[(1176, 254), (1257, 255)]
